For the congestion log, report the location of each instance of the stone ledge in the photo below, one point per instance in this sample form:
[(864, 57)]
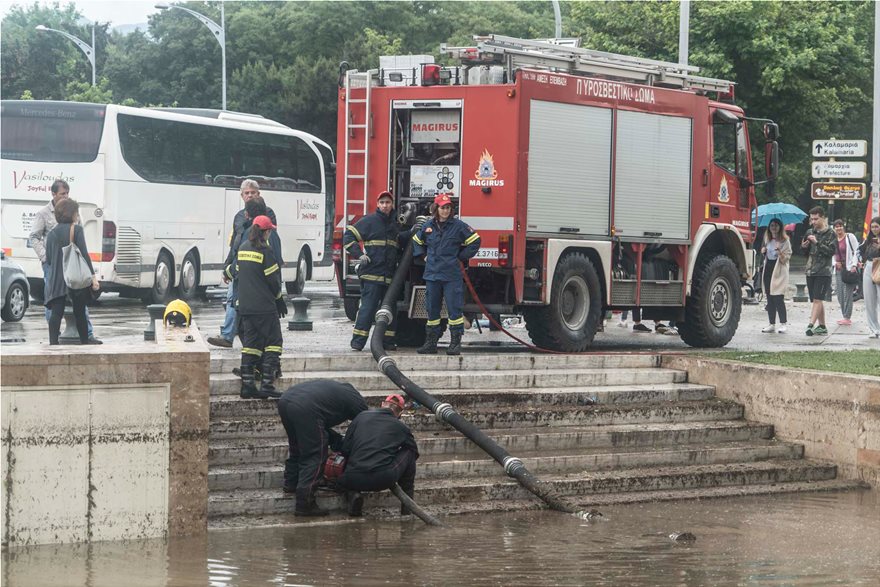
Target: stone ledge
[(835, 416)]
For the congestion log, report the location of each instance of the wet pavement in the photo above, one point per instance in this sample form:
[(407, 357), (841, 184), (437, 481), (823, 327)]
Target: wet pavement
[(801, 539), (118, 321)]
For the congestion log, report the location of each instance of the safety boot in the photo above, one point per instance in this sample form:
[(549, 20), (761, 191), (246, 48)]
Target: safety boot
[(454, 347), (430, 346), (355, 503), (267, 384), (248, 385), (306, 504)]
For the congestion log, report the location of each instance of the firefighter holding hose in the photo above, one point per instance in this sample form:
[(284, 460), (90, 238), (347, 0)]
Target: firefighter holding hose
[(446, 242)]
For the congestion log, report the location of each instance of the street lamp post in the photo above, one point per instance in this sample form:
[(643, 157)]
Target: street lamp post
[(218, 30), (89, 51)]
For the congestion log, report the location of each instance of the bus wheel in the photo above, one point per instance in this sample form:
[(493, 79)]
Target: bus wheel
[(189, 277), (302, 270), (351, 307), (163, 279), (569, 322)]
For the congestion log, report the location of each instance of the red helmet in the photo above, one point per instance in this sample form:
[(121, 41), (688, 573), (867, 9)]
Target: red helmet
[(395, 398), (385, 194)]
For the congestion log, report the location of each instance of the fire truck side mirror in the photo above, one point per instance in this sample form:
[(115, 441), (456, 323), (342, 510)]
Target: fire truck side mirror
[(771, 131), (771, 159)]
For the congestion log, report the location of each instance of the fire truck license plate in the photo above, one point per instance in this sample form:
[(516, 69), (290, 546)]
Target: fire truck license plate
[(486, 254)]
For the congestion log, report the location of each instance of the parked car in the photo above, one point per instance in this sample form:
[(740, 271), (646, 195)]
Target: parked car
[(14, 290)]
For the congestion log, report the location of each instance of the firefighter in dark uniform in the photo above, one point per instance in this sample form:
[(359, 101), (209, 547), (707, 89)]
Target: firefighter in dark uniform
[(381, 240), (308, 411), (445, 242), (380, 451), (259, 306)]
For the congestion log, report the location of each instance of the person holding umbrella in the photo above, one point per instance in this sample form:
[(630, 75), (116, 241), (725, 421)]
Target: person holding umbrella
[(777, 253)]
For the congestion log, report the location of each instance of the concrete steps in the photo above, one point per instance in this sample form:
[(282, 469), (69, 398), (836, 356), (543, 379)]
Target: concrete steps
[(455, 491), (598, 429)]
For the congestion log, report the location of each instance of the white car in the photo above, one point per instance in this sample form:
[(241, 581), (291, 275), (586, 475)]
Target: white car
[(14, 290)]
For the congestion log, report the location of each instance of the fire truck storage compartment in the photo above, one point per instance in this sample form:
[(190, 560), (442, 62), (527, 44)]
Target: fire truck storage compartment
[(652, 182), (569, 168), (426, 149)]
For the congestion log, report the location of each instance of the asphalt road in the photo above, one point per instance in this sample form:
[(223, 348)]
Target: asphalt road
[(120, 321)]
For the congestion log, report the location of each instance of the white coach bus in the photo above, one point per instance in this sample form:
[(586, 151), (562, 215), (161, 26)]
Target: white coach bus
[(158, 189)]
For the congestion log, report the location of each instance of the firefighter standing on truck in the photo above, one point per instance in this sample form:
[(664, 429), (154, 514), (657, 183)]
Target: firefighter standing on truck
[(381, 239), (259, 305), (445, 242)]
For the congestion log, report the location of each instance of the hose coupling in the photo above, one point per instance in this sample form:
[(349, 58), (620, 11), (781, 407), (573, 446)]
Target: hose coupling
[(443, 411), (511, 464), (384, 313), (386, 361)]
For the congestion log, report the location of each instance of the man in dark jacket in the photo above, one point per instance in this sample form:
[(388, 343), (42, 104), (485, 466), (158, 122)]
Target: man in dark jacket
[(308, 411), (380, 451), (381, 238), (241, 223)]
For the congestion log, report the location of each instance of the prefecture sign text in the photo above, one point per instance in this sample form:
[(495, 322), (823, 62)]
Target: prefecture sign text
[(842, 169)]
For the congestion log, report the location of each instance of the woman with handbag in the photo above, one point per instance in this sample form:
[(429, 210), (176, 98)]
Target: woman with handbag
[(777, 254), (70, 272), (846, 269), (870, 253)]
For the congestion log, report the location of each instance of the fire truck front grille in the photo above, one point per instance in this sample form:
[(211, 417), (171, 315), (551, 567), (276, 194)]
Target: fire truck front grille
[(418, 305), (665, 293)]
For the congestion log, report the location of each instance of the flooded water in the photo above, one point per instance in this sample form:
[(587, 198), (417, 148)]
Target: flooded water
[(806, 539)]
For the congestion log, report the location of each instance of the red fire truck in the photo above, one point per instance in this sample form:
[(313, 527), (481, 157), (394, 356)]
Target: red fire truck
[(596, 181)]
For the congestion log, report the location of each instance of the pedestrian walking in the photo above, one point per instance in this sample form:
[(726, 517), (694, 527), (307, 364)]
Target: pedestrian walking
[(777, 254), (259, 306), (446, 242), (846, 270), (380, 451), (44, 222), (309, 411), (820, 244), (381, 239), (869, 252), (67, 231)]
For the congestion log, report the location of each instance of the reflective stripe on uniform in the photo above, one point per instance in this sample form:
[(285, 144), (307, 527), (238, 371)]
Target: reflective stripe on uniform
[(271, 269), (378, 278), (471, 238), (381, 243), (254, 352), (418, 240), (456, 321), (350, 244), (228, 272), (273, 349), (434, 322), (357, 332), (250, 256), (355, 232), (390, 333)]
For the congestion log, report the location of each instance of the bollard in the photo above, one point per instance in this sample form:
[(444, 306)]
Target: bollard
[(157, 311), (70, 334), (300, 314), (800, 295)]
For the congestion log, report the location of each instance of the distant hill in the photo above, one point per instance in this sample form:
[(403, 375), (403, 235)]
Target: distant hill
[(124, 29)]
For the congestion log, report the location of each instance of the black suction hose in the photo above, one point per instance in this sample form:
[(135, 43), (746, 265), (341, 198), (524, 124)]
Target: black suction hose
[(445, 412)]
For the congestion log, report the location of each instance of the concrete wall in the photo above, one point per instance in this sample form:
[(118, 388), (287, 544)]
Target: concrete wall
[(104, 442), (835, 416)]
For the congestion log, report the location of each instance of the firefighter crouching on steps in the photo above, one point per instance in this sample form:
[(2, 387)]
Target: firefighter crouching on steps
[(446, 242), (260, 303), (381, 240)]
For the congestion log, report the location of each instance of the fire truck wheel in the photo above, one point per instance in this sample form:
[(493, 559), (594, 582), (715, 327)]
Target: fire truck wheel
[(351, 307), (570, 321), (713, 309)]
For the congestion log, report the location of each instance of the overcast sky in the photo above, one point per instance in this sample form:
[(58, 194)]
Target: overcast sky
[(116, 12)]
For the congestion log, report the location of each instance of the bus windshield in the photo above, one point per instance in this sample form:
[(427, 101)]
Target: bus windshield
[(57, 132)]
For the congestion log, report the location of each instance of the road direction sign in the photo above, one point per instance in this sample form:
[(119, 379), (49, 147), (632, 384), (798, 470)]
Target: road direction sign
[(842, 169), (838, 191), (840, 148)]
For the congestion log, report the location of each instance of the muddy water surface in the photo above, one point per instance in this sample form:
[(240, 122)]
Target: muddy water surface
[(806, 539)]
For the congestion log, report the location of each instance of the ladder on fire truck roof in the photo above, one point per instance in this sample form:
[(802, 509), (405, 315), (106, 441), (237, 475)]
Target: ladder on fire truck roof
[(515, 53), (358, 85)]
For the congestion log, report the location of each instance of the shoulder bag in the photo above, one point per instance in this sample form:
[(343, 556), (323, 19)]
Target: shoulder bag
[(77, 274), (875, 270)]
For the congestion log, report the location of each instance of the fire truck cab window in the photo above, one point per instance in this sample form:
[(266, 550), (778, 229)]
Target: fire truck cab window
[(724, 139)]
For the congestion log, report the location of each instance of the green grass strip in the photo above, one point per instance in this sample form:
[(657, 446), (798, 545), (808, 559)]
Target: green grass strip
[(857, 362)]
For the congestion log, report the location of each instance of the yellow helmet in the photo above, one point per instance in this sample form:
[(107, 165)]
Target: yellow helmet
[(177, 313)]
